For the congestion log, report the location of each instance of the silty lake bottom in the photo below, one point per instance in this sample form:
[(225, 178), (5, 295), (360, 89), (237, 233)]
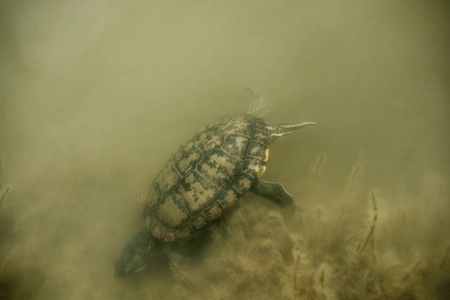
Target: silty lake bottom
[(97, 96)]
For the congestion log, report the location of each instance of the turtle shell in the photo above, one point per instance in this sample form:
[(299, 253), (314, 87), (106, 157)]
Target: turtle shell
[(206, 176)]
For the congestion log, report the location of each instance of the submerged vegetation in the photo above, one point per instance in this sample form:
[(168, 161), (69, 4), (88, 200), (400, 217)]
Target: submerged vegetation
[(95, 95), (354, 244)]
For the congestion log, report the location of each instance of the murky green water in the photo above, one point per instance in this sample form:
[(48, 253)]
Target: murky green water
[(95, 97)]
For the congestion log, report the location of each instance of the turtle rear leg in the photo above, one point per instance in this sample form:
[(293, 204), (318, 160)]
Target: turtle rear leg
[(274, 191), (277, 130)]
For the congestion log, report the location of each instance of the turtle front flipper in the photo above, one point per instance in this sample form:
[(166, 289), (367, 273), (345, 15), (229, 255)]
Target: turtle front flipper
[(274, 191)]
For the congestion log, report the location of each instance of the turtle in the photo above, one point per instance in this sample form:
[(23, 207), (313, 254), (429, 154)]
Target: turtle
[(201, 181)]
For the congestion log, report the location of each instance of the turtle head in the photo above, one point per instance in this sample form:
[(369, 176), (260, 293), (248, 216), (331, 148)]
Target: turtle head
[(137, 255)]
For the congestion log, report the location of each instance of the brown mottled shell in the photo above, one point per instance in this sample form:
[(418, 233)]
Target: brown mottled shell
[(206, 176)]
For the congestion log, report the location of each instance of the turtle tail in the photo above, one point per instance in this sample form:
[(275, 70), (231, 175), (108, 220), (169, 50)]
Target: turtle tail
[(277, 130)]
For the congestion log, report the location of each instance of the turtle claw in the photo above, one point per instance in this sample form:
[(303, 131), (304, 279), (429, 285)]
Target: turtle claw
[(141, 199), (173, 267)]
